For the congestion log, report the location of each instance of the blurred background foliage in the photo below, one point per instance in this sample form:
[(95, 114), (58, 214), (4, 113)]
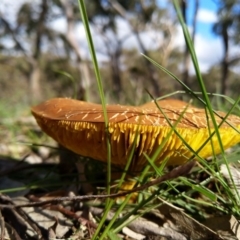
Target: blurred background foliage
[(41, 40)]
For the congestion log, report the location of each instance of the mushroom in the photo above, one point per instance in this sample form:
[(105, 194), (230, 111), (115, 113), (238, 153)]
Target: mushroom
[(80, 127)]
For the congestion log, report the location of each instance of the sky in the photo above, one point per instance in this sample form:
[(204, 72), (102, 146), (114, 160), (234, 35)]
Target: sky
[(207, 16), (207, 45)]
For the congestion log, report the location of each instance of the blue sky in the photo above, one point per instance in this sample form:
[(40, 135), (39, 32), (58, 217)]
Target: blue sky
[(208, 46), (206, 16)]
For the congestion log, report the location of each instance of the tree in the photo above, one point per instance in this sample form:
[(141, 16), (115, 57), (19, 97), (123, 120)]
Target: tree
[(36, 40), (31, 25), (69, 10), (187, 54), (227, 28), (140, 17), (32, 32), (144, 14)]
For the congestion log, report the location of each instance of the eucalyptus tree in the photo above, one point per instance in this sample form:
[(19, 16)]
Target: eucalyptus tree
[(29, 35), (228, 28), (186, 67), (34, 37), (142, 19)]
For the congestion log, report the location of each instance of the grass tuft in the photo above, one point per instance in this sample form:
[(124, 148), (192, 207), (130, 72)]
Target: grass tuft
[(182, 191)]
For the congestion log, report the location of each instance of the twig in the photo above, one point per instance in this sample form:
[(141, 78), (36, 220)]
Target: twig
[(2, 225), (10, 204), (73, 215), (176, 172)]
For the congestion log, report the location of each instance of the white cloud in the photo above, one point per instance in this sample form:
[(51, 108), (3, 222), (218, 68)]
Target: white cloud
[(59, 25), (206, 16), (209, 52)]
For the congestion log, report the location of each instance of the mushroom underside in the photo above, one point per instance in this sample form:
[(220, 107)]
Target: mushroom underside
[(176, 146)]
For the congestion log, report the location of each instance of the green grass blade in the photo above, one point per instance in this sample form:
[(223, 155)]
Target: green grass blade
[(101, 93)]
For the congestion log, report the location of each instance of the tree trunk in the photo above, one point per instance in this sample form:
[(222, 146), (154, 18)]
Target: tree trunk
[(151, 70), (83, 68), (152, 73), (116, 73), (225, 61), (34, 82), (187, 57), (35, 74)]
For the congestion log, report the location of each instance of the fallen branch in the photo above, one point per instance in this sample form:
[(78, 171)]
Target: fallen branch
[(176, 172)]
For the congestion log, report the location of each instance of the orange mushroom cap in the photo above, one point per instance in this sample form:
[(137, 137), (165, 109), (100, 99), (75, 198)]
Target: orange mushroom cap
[(79, 126)]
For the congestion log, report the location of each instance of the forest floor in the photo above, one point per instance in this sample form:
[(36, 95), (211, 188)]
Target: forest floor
[(31, 173)]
